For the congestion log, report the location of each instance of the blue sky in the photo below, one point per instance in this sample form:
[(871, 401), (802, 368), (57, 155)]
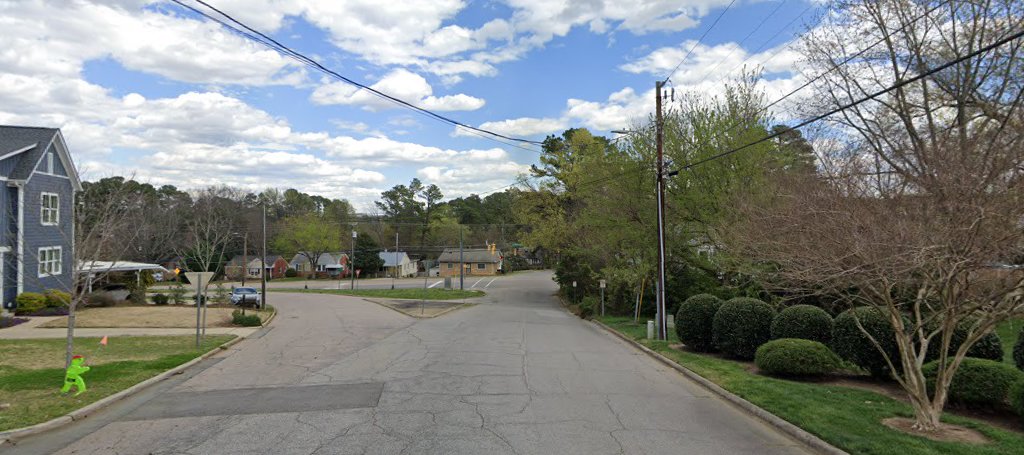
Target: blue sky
[(149, 89)]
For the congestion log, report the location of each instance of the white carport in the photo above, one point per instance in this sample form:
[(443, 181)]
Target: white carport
[(94, 268)]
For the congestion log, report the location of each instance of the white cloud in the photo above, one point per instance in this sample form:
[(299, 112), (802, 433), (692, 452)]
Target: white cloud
[(466, 177), (36, 40), (520, 127), (399, 83), (711, 62)]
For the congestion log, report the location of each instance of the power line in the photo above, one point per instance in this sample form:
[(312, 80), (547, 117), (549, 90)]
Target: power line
[(872, 96), (263, 39), (745, 38), (765, 43), (705, 34)]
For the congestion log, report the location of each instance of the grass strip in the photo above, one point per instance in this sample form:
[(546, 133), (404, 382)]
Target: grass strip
[(416, 294), (31, 371), (846, 417)]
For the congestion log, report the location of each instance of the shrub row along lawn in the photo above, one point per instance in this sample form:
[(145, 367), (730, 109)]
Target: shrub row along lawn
[(417, 294), (32, 371), (848, 418)]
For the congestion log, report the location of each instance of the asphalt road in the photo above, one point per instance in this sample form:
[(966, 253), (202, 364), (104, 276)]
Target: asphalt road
[(339, 375)]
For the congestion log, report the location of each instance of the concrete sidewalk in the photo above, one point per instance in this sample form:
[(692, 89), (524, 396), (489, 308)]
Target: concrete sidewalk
[(31, 329)]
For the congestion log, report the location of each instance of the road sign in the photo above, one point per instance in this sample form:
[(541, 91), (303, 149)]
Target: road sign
[(573, 284), (199, 279), (602, 282)]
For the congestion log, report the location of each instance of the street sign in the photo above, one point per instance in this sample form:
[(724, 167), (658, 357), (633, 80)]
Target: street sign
[(602, 282), (573, 284), (199, 279)]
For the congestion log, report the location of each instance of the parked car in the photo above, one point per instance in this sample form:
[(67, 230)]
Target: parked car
[(245, 297)]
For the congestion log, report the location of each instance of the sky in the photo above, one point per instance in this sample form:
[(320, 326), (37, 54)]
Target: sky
[(148, 89)]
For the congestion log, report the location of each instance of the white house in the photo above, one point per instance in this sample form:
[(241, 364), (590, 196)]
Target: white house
[(398, 261)]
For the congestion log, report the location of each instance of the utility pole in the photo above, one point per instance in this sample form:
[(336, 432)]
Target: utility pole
[(263, 262), (659, 143), (462, 266), (245, 256), (396, 260), (352, 260)]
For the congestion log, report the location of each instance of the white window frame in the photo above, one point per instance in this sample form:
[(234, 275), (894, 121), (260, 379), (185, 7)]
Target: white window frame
[(54, 211), (51, 264)]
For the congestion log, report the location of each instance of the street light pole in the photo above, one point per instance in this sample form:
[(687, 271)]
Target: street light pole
[(263, 262), (462, 265), (659, 142), (352, 260), (395, 272)]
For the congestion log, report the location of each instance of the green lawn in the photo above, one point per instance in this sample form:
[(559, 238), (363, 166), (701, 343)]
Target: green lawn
[(1008, 332), (845, 417), (427, 294), (31, 371)]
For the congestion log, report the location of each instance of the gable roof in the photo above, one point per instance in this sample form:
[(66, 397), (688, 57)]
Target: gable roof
[(31, 144), (393, 259), (478, 255)]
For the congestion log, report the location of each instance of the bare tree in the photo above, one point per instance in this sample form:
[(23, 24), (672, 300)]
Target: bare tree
[(923, 189), (210, 228)]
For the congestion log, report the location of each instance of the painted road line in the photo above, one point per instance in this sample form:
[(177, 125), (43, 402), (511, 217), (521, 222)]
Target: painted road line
[(489, 283), (477, 282), (435, 284)]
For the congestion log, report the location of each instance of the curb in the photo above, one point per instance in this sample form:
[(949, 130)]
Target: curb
[(775, 421), (464, 304), (85, 411)]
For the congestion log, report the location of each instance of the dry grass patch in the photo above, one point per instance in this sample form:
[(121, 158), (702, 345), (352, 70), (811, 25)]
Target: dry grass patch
[(149, 317)]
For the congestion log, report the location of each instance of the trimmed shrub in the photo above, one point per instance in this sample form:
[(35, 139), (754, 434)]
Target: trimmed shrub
[(57, 298), (1018, 351), (741, 325), (178, 294), (796, 357), (849, 343), (694, 322), (291, 273), (161, 299), (29, 302), (1017, 398), (988, 347), (805, 322), (245, 320), (100, 299), (978, 382)]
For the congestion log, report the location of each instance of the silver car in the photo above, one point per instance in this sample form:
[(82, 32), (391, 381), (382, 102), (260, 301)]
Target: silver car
[(245, 297)]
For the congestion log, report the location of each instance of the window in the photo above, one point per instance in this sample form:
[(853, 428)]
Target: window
[(50, 261), (451, 266), (50, 209), (481, 266)]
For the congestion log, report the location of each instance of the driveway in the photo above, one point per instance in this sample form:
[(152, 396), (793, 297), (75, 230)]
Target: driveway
[(338, 375)]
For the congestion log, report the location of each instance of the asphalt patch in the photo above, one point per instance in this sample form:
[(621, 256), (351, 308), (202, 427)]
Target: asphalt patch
[(260, 400)]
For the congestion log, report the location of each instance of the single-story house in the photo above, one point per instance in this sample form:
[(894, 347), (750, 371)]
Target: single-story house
[(234, 268), (328, 264), (37, 210), (398, 261), (474, 262), (275, 267)]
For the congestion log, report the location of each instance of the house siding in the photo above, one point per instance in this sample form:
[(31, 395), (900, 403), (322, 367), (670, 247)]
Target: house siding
[(8, 236), (38, 236), (490, 269), (7, 166)]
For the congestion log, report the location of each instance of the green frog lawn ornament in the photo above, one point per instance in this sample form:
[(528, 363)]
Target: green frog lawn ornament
[(74, 376)]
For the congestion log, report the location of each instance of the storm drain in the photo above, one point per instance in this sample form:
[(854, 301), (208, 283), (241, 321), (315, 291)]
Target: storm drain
[(260, 400)]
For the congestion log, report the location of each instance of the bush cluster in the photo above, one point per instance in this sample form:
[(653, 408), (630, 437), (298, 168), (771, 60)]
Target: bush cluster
[(161, 299), (804, 322), (291, 273), (977, 382), (1017, 398), (796, 357), (57, 298), (29, 303), (1018, 351), (851, 344), (245, 320), (694, 322), (100, 299), (741, 325)]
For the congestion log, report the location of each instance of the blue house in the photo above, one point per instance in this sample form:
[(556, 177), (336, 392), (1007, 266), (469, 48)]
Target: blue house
[(38, 206)]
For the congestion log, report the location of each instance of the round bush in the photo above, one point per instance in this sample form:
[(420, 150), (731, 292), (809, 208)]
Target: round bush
[(291, 273), (1017, 398), (741, 325), (805, 322), (161, 299), (978, 382), (988, 347), (694, 322), (29, 302), (851, 344), (796, 357), (1018, 351), (57, 299)]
